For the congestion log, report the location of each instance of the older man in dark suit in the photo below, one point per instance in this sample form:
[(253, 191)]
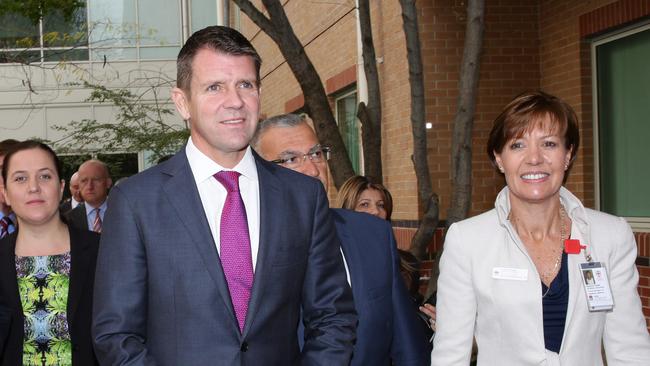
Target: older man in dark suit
[(388, 331), (209, 257)]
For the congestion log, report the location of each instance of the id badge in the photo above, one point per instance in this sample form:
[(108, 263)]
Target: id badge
[(596, 285)]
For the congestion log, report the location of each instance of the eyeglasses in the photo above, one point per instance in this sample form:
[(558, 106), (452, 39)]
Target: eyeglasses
[(317, 154)]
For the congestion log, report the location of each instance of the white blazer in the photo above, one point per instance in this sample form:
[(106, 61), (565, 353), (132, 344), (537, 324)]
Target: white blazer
[(505, 316)]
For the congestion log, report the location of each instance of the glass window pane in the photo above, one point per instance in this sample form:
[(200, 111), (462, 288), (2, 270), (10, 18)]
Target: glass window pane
[(59, 32), (112, 54), (204, 13), (18, 32), (623, 110), (159, 53), (159, 22), (346, 116), (71, 54), (112, 23), (24, 57)]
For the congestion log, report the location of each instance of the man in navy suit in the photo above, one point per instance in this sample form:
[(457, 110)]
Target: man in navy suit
[(388, 329), (174, 264)]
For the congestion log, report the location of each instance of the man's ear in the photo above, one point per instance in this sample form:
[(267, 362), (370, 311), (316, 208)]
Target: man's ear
[(181, 102)]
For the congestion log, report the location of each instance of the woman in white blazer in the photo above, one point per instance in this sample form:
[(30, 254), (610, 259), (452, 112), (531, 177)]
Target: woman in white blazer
[(505, 276)]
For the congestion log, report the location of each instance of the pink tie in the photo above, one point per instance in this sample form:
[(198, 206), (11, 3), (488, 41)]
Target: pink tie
[(235, 250)]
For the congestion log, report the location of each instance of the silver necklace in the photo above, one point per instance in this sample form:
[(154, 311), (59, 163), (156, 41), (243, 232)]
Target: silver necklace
[(552, 273)]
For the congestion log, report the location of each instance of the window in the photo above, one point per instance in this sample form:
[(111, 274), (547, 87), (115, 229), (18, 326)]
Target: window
[(105, 30), (134, 29), (346, 117), (53, 37), (623, 129)]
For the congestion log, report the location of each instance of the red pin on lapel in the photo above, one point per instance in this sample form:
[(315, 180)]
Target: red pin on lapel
[(572, 246)]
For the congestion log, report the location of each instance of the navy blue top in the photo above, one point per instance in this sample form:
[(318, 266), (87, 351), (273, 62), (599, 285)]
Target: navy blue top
[(554, 306)]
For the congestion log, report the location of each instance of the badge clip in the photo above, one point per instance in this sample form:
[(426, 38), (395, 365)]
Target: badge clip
[(572, 246)]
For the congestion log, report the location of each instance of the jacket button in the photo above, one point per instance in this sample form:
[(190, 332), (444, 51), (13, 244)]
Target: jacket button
[(244, 347)]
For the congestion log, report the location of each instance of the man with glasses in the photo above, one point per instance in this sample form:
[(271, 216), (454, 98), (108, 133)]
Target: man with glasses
[(388, 328)]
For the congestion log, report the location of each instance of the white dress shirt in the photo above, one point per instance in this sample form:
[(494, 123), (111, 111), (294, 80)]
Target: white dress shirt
[(213, 194), (90, 213)]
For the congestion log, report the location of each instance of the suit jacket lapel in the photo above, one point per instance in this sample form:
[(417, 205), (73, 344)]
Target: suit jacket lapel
[(575, 278), (351, 252), (79, 267), (8, 272), (181, 191), (271, 231)]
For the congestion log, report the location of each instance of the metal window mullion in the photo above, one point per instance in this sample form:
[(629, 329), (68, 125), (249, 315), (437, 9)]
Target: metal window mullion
[(137, 31), (40, 39)]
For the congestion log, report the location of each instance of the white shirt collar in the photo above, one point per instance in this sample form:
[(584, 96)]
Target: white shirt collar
[(203, 168), (91, 210)]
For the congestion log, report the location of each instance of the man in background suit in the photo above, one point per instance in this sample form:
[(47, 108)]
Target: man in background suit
[(94, 182), (7, 217), (75, 195), (173, 287), (388, 329)]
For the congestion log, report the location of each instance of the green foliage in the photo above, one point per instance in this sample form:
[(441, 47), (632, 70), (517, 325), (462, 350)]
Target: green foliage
[(139, 125), (34, 9)]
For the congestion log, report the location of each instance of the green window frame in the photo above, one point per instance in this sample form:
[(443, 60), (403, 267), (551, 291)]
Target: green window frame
[(349, 127), (622, 124)]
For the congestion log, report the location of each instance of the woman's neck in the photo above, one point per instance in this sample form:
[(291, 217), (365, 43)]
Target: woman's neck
[(536, 221), (45, 239)]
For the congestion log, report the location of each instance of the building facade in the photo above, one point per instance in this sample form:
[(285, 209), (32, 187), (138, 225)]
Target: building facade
[(593, 54)]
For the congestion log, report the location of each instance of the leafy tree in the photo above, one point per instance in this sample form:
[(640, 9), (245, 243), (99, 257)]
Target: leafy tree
[(140, 124), (34, 9)]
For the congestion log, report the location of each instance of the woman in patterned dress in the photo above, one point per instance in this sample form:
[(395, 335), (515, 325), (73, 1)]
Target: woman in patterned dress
[(46, 267)]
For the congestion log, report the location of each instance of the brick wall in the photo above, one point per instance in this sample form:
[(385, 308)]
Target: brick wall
[(527, 45)]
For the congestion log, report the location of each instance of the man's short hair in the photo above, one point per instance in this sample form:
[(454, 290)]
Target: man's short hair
[(282, 120), (217, 38), (103, 165)]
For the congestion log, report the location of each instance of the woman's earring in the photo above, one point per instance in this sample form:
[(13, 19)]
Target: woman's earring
[(501, 169)]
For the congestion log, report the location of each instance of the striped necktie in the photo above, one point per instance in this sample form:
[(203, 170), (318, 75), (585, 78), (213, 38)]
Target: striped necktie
[(5, 222), (97, 223)]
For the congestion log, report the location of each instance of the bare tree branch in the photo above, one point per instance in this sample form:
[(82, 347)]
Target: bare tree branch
[(461, 154), (371, 121), (317, 105)]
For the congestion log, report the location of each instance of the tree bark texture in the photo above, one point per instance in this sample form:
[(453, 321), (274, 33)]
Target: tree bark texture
[(427, 198), (317, 106), (371, 117), (461, 155)]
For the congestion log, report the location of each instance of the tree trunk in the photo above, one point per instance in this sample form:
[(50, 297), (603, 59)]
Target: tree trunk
[(317, 105), (370, 114), (427, 198), (461, 155)]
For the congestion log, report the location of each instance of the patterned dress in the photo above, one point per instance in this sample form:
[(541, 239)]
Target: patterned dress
[(43, 283)]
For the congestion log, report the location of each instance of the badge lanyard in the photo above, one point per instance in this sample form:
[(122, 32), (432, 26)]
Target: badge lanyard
[(594, 278)]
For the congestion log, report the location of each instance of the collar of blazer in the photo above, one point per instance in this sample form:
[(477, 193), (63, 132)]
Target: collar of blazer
[(80, 264), (574, 208), (272, 190)]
